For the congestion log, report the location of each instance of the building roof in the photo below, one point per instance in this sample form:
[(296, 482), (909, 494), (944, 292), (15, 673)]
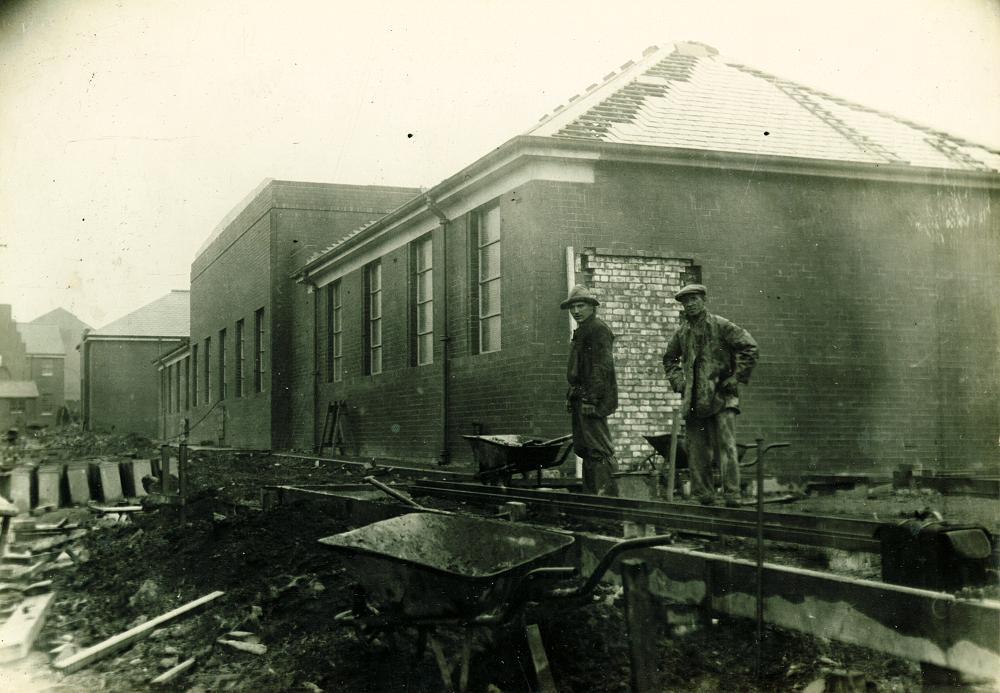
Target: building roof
[(63, 319), (41, 339), (686, 95), (690, 105), (167, 316), (18, 389)]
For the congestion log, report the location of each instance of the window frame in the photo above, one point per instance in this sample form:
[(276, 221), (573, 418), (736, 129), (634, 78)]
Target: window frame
[(240, 360), (259, 350), (478, 283), (421, 248), (373, 317), (221, 375), (207, 358), (194, 375), (336, 317)]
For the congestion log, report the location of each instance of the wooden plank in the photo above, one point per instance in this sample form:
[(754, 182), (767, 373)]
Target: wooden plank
[(540, 661), (124, 640), (18, 633), (173, 673)]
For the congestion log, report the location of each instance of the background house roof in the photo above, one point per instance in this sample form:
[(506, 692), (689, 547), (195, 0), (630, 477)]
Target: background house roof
[(18, 389), (41, 339), (168, 316), (686, 95)]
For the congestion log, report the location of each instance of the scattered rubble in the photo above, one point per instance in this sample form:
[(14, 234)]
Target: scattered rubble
[(120, 570)]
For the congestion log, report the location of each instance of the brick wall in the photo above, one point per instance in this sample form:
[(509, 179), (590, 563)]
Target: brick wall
[(875, 306), (632, 286), (249, 266), (51, 387), (123, 385)]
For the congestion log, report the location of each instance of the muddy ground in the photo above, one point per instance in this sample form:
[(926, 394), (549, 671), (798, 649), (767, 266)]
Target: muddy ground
[(283, 587)]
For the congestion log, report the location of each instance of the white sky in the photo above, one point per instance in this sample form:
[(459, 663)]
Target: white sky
[(128, 129)]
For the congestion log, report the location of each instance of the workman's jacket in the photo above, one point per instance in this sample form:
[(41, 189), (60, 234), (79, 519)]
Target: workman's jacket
[(591, 369), (701, 354)]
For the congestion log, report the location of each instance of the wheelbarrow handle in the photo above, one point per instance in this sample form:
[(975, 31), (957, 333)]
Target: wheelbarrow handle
[(393, 492), (605, 563)]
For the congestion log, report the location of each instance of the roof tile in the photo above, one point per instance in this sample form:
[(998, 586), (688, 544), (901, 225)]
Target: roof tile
[(692, 97), (167, 316)]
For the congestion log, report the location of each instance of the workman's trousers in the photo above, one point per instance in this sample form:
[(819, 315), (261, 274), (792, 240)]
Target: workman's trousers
[(592, 442), (709, 439)]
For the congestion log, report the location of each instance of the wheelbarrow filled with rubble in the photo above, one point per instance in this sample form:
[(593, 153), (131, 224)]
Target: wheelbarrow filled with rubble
[(425, 570), (499, 457)]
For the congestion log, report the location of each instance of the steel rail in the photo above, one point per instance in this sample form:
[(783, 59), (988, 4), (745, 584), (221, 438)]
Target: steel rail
[(808, 530)]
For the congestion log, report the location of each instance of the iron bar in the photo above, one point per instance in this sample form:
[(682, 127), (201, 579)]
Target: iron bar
[(808, 530)]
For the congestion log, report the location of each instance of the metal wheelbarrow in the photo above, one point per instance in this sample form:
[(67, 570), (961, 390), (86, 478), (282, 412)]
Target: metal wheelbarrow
[(661, 448), (440, 567), (499, 457), (423, 570)]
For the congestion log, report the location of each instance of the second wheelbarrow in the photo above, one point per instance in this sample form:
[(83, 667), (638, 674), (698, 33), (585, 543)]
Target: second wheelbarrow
[(499, 457)]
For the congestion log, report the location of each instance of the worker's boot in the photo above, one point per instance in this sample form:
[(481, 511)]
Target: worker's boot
[(598, 476)]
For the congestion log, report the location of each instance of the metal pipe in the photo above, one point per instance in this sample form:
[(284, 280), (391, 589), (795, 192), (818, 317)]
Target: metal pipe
[(444, 221), (760, 554)]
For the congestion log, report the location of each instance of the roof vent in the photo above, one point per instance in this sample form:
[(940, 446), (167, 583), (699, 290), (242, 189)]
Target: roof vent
[(694, 49)]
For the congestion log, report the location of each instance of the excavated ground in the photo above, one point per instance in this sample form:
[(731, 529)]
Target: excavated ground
[(284, 587)]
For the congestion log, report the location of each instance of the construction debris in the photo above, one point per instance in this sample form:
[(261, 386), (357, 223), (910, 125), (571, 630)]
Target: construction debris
[(123, 640), (173, 673), (18, 633), (251, 647)]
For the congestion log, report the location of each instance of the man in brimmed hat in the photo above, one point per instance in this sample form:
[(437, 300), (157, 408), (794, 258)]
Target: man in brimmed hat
[(706, 359), (593, 391)]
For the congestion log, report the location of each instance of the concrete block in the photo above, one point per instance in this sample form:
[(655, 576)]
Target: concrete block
[(77, 476), (23, 483), (139, 469), (50, 478), (108, 481)]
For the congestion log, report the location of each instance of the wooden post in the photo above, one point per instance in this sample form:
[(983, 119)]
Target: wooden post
[(639, 610), (675, 431), (166, 488), (539, 660)]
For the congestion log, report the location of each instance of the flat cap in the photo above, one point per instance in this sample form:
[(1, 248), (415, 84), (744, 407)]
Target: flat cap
[(691, 289), (580, 293)]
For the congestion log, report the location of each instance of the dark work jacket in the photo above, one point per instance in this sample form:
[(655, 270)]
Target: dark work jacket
[(591, 369), (696, 367)]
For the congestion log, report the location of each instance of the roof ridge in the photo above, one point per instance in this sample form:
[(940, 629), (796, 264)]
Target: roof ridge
[(854, 105)]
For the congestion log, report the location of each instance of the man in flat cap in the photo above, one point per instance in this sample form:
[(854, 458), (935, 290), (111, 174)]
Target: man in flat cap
[(593, 392), (706, 359)]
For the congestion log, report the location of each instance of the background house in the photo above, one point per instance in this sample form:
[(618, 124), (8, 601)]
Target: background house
[(71, 332), (18, 393), (244, 326), (44, 349), (120, 390), (861, 250)]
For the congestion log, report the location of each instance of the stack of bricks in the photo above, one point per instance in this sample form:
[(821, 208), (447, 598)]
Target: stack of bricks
[(636, 290)]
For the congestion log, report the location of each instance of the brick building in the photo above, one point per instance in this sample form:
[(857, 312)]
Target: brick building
[(243, 321), (18, 392), (44, 349), (71, 332), (861, 250), (174, 369), (120, 387)]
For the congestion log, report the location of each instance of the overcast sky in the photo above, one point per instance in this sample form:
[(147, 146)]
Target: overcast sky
[(129, 129)]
